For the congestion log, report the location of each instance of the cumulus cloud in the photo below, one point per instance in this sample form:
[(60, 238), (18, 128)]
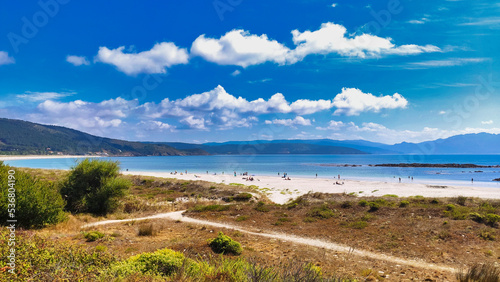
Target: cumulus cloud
[(214, 109), (5, 59), (379, 133), (331, 38), (487, 122), (156, 60), (42, 96), (77, 60), (219, 101), (154, 125), (239, 47), (298, 120), (333, 125), (353, 101), (85, 116)]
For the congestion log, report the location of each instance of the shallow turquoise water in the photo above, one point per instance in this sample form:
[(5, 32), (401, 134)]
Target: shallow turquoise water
[(307, 166)]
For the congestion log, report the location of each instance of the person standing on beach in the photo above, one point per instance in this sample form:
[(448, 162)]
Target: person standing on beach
[(339, 176), (472, 180), (316, 175), (400, 180)]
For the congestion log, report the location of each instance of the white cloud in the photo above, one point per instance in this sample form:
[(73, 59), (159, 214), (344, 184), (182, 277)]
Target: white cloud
[(214, 109), (334, 5), (154, 125), (442, 112), (195, 123), (446, 63), (306, 107), (333, 125), (298, 120), (42, 96), (379, 133), (238, 47), (353, 101), (95, 118), (5, 59), (77, 60), (236, 73), (161, 56), (493, 21), (487, 122), (331, 38), (219, 100), (416, 22)]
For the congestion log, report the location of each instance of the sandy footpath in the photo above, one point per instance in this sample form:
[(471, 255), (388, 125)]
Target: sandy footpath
[(280, 190)]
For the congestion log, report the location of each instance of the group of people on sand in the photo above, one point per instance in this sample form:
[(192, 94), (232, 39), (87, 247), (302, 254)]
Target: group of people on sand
[(409, 177), (285, 176), (175, 172)]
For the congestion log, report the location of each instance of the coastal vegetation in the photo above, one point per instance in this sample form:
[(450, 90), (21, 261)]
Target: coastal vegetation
[(426, 229)]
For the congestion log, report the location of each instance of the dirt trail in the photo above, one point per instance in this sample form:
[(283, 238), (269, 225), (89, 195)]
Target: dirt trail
[(286, 237)]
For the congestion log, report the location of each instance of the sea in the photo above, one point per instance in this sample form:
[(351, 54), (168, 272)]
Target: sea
[(324, 166)]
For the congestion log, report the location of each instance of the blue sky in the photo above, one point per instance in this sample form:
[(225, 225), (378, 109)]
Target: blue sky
[(198, 71)]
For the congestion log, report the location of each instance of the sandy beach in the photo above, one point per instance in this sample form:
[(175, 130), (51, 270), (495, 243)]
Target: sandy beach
[(280, 190), (36, 157)]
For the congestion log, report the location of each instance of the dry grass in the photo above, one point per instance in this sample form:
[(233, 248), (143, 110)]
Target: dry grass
[(418, 229)]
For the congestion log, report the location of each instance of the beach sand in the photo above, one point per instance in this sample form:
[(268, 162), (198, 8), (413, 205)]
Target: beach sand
[(280, 190), (37, 157)]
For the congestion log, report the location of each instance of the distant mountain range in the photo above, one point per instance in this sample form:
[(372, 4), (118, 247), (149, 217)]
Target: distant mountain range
[(19, 137), (22, 137)]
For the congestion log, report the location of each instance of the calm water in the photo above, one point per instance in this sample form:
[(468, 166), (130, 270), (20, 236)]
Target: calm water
[(308, 166)]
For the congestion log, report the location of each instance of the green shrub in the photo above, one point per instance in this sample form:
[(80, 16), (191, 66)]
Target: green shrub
[(146, 230), (93, 186), (363, 203), (346, 204), (390, 195), (322, 212), (435, 201), (404, 204), (373, 206), (457, 213), (360, 224), (492, 219), (450, 207), (242, 197), (37, 203), (297, 202), (40, 258), (92, 236), (309, 219), (487, 234), (242, 218), (461, 200), (261, 206), (164, 262), (476, 217), (204, 208), (223, 244)]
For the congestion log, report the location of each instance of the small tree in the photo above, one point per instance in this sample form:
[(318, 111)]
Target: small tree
[(37, 203), (93, 186)]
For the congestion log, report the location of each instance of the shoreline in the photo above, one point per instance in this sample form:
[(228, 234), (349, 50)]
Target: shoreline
[(40, 157), (280, 191)]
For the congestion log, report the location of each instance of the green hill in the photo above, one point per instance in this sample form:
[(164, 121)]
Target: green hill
[(19, 137)]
